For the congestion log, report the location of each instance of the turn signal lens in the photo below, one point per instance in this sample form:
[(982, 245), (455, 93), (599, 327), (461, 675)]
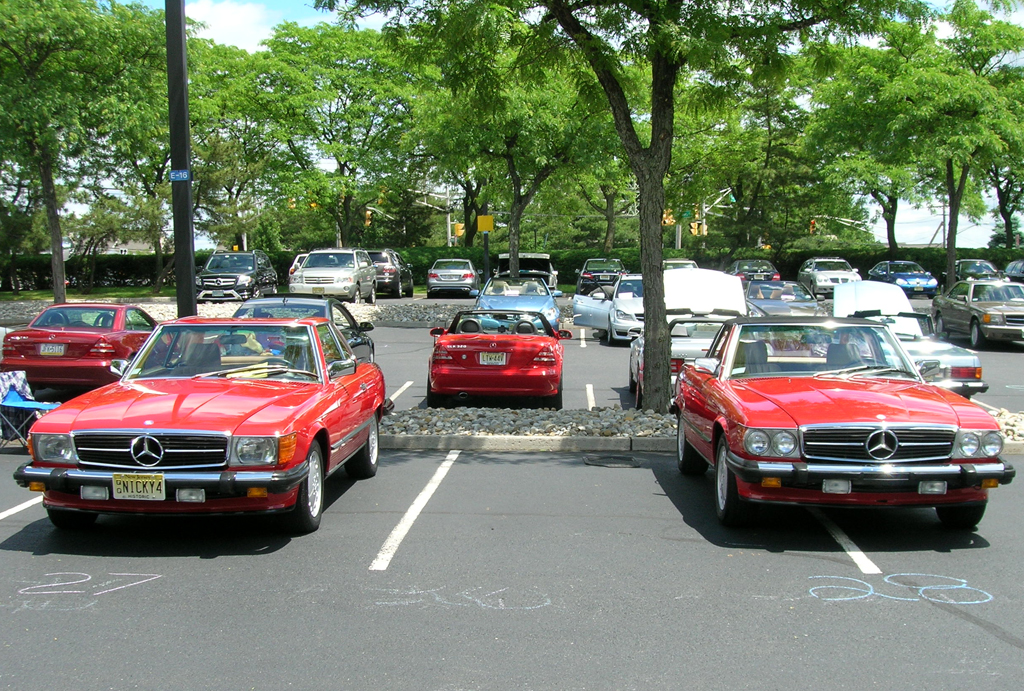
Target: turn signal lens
[(987, 483), (286, 448), (771, 482), (256, 493), (37, 486)]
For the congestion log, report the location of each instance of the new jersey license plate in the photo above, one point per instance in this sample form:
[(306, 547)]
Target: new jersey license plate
[(139, 486), (492, 358)]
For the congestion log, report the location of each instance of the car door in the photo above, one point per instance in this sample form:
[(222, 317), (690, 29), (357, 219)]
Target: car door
[(591, 310), (697, 410), (352, 401), (803, 276), (956, 311), (366, 273)]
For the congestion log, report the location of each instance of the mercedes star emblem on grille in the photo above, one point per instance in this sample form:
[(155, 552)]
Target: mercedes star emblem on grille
[(882, 444), (146, 450)]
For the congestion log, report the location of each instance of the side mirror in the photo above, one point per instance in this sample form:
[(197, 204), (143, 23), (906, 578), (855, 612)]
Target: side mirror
[(856, 270), (341, 368), (365, 326), (119, 367), (556, 293), (706, 365), (474, 293), (437, 331), (564, 334), (928, 368), (577, 272)]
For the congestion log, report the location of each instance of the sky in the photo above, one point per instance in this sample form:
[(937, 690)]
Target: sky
[(244, 23)]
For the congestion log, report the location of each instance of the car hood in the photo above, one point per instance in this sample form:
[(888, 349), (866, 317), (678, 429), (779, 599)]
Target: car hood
[(781, 307), (1008, 307), (630, 305), (948, 354), (530, 303), (825, 400), (852, 275), (221, 405)]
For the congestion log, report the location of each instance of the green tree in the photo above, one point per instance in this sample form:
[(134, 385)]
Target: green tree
[(67, 68)]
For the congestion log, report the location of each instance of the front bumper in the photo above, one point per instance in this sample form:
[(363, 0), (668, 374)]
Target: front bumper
[(1002, 333), (225, 294), (920, 291), (962, 387), (225, 490), (345, 290), (870, 477)]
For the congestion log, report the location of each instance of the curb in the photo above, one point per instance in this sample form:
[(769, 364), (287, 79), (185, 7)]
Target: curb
[(450, 442)]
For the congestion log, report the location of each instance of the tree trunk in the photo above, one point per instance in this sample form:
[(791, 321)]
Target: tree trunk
[(162, 276), (889, 204), (158, 253), (955, 192), (45, 163), (610, 197)]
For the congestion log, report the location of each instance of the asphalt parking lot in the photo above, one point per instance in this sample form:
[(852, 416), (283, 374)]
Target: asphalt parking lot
[(474, 570)]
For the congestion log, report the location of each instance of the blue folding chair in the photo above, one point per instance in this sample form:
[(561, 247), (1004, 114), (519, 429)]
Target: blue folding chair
[(17, 414)]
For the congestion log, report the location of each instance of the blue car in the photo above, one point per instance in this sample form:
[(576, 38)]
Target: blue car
[(909, 276), (527, 294)]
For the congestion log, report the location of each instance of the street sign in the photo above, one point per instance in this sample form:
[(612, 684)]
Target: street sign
[(179, 175)]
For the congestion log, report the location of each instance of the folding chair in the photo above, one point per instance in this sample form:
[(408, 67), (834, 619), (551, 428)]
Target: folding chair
[(17, 414)]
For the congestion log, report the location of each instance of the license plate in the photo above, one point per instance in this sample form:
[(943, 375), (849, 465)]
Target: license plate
[(139, 486), (318, 291), (492, 358), (918, 288), (51, 348), (758, 277), (218, 293)]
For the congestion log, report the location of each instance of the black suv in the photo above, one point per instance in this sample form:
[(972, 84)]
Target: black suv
[(231, 276), (394, 275), (598, 273)]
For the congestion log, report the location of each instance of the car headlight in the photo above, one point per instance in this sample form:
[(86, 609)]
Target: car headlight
[(992, 318), (932, 282), (199, 281), (978, 444), (819, 279), (54, 448), (254, 451), (624, 316), (770, 442), (244, 280), (901, 282)]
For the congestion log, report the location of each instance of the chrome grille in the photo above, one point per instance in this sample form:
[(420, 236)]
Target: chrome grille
[(850, 442), (113, 450), (1015, 319), (219, 282), (318, 280)]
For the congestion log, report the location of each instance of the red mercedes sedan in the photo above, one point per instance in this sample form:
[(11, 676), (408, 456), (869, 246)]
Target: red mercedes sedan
[(213, 416), (72, 345), (512, 353), (831, 412)]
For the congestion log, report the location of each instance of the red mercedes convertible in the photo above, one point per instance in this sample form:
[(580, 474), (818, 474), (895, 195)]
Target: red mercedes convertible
[(214, 416), (496, 353), (831, 412)]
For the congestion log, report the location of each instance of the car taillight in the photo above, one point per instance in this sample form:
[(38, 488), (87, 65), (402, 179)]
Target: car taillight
[(775, 277), (965, 372), (545, 356), (389, 269), (587, 274), (9, 351), (102, 349), (468, 275), (675, 364), (433, 275), (441, 353)]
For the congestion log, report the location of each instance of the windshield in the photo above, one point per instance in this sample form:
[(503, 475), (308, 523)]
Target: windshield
[(822, 349), (787, 291), (281, 311), (451, 265), (516, 286), (500, 322), (330, 260), (632, 288), (230, 262), (77, 318), (997, 293), (905, 268), (832, 265), (252, 351), (977, 267), (603, 265)]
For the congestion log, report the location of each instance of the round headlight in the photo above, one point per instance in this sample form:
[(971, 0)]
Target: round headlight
[(784, 443), (969, 443), (992, 444), (756, 442)]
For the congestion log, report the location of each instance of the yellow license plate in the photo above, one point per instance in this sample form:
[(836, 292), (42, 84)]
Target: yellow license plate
[(318, 291), (492, 358), (139, 486), (51, 348)]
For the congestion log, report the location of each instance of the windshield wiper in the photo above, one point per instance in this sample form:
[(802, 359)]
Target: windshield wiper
[(268, 370), (871, 370)]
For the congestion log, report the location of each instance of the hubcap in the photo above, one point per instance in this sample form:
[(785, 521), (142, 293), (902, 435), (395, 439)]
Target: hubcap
[(722, 477), (314, 484), (371, 444)]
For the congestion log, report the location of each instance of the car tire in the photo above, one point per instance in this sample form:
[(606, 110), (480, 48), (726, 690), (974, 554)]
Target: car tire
[(978, 340), (639, 399), (371, 298), (960, 517), (396, 292), (690, 462), (434, 400), (430, 294), (408, 291), (309, 503), (940, 327), (732, 511), (556, 400), (70, 520), (632, 381), (609, 334), (363, 465)]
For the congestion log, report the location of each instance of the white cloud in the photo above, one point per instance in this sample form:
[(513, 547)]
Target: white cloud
[(244, 24)]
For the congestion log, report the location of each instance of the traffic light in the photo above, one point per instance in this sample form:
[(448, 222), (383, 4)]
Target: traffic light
[(369, 217), (460, 228), (812, 226), (667, 219), (695, 228)]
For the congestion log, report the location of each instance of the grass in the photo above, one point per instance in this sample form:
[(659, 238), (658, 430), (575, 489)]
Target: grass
[(97, 294)]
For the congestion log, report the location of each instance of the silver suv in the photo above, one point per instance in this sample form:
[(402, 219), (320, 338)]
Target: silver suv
[(346, 273)]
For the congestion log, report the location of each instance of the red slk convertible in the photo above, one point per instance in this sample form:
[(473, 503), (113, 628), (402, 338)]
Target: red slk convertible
[(496, 353), (214, 416), (831, 412), (72, 345)]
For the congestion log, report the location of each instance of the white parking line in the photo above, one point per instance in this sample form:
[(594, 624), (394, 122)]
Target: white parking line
[(591, 402), (865, 565), (20, 507), (583, 338), (398, 534), (398, 393)]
